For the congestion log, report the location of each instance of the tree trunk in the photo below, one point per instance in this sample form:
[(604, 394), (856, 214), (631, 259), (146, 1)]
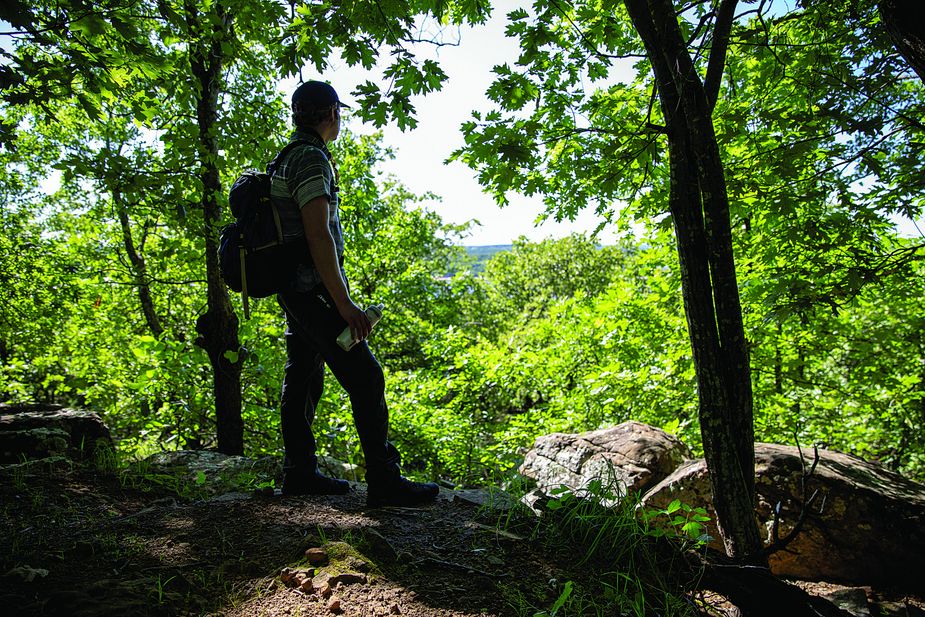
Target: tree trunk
[(218, 326), (903, 22), (700, 211), (139, 268)]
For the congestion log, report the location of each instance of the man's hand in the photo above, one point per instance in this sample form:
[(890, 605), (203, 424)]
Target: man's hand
[(356, 319)]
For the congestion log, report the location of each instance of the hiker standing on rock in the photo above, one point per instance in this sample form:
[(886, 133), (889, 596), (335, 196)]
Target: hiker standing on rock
[(318, 307)]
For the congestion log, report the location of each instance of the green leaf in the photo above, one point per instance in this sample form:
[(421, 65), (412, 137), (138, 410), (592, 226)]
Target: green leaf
[(673, 507), (562, 599)]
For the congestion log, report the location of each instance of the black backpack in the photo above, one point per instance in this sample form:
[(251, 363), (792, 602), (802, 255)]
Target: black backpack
[(254, 258)]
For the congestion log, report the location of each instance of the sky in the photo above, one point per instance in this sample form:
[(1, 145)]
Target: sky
[(420, 154)]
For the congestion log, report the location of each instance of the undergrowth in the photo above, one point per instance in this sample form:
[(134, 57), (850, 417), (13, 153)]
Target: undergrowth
[(622, 564), (141, 475)]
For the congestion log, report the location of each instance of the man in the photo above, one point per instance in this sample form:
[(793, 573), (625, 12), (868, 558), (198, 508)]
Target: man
[(318, 307)]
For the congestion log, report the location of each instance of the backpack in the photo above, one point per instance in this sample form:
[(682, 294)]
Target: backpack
[(254, 257)]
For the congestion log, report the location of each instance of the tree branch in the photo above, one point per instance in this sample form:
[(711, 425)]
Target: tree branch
[(777, 543), (718, 50)]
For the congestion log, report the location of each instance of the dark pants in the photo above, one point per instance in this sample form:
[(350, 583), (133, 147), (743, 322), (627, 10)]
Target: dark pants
[(313, 326)]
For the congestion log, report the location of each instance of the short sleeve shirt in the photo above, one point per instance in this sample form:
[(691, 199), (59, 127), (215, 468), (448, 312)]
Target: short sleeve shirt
[(304, 174)]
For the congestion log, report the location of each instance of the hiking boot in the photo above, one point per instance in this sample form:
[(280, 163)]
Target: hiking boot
[(401, 492), (313, 484)]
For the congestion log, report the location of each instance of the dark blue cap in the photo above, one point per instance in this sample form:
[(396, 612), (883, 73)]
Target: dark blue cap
[(315, 95)]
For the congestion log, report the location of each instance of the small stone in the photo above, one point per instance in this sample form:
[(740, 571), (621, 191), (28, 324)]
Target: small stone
[(321, 578), (358, 565), (395, 610), (287, 575), (334, 605), (347, 578), (325, 590), (306, 586), (316, 556)]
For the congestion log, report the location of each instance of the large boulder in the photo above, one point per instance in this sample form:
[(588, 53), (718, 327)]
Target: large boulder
[(632, 455), (866, 525), (31, 432)]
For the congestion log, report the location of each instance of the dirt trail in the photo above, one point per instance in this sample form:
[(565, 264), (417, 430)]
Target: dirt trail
[(81, 543), (108, 550)]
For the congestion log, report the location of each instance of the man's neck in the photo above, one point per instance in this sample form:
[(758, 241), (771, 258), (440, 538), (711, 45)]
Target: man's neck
[(313, 131)]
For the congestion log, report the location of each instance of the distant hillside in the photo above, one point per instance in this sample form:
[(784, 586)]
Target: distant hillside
[(481, 254)]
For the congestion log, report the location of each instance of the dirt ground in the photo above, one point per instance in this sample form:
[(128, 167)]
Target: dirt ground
[(82, 543)]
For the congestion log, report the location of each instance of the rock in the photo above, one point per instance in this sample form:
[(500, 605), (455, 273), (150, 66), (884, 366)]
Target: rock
[(316, 556), (306, 585), (852, 600), (52, 464), (320, 580), (378, 546), (330, 466), (295, 578), (325, 590), (357, 565), (216, 472), (30, 432), (287, 575), (866, 527), (632, 455), (491, 498), (334, 605), (886, 608), (395, 610), (27, 574), (347, 578)]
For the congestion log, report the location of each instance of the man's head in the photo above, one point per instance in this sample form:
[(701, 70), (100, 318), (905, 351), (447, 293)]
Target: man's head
[(315, 105)]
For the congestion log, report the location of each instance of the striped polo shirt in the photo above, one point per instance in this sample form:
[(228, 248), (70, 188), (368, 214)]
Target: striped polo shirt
[(306, 173)]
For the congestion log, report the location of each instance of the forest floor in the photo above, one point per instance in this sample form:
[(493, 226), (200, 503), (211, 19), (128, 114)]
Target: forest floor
[(81, 542)]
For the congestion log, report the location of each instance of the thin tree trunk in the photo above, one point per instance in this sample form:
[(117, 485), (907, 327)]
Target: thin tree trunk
[(218, 326), (139, 268), (700, 211)]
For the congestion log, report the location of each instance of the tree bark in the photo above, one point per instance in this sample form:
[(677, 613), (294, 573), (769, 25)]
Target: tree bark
[(139, 268), (699, 206), (903, 22), (758, 593), (218, 326)]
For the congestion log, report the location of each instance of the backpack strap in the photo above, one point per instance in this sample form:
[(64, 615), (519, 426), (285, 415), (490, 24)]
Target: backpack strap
[(278, 159)]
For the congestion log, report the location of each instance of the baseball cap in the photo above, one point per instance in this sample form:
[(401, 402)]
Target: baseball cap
[(315, 95)]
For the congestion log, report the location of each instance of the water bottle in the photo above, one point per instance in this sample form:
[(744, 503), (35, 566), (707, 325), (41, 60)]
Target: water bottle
[(346, 340)]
